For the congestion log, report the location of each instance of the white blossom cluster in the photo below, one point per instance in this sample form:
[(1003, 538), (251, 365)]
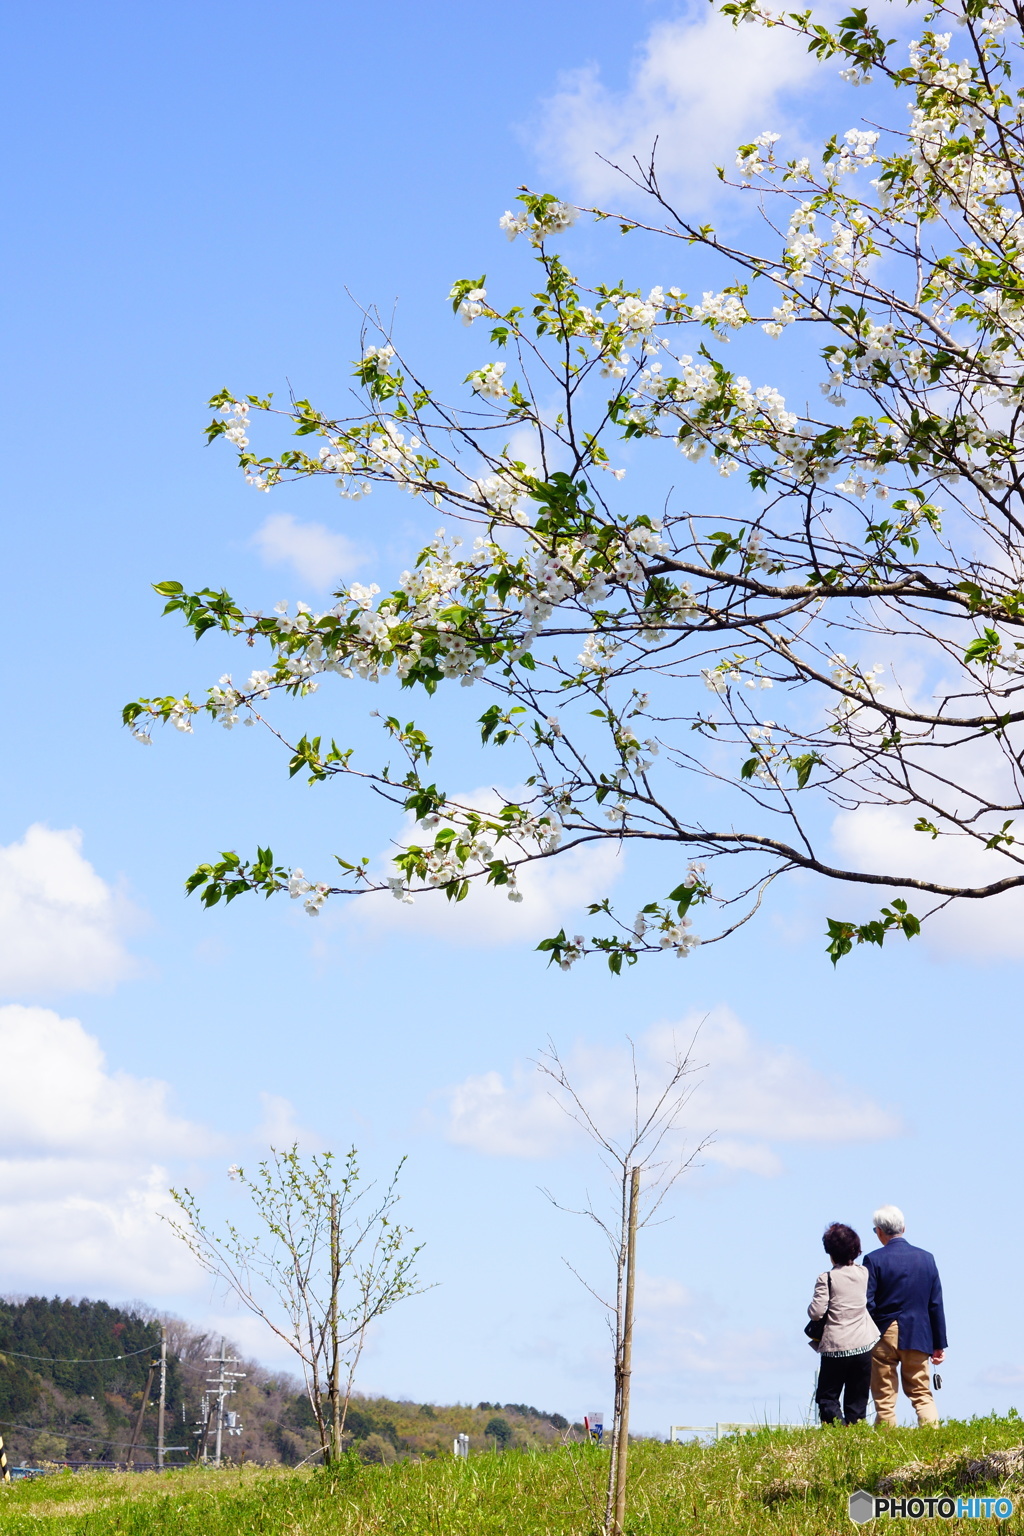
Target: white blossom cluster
[(553, 220), (224, 699), (748, 158), (725, 417), (867, 685), (501, 493), (718, 678), (803, 244), (236, 431), (859, 148), (782, 315), (849, 248), (487, 381), (721, 310), (678, 938), (800, 459), (671, 935), (637, 756), (315, 895), (400, 458), (638, 317), (572, 952), (615, 365), (446, 862), (472, 306), (181, 715), (385, 449)]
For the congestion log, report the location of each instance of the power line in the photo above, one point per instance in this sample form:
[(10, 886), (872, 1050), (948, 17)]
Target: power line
[(86, 1360), (68, 1434)]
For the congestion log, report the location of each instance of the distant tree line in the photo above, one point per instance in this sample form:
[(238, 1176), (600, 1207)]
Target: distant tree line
[(76, 1401), (525, 1411)]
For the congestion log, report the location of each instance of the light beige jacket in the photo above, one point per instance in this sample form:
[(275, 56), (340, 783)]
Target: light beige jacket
[(848, 1327)]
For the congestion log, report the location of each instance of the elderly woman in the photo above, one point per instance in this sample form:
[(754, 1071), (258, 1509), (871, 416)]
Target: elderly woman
[(840, 1296)]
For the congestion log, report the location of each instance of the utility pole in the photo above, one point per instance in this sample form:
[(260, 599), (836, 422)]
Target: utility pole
[(202, 1434), (163, 1398), (621, 1446), (136, 1432), (223, 1385)]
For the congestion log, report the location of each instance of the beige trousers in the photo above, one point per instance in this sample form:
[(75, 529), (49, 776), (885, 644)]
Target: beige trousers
[(912, 1365)]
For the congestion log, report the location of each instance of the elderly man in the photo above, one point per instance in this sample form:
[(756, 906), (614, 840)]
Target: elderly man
[(905, 1300)]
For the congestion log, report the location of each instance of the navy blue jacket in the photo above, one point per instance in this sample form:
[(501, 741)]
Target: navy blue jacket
[(904, 1288)]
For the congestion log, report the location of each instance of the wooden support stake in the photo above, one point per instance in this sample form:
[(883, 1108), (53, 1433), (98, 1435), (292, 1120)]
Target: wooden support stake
[(335, 1394), (622, 1435)]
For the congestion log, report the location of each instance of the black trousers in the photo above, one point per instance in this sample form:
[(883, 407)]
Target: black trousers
[(848, 1377)]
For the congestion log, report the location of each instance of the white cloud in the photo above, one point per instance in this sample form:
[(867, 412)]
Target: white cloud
[(87, 1158), (673, 1340), (698, 86), (515, 1119), (67, 1103), (82, 1165), (61, 922), (882, 838), (744, 1157), (751, 1096), (770, 1092), (318, 555), (279, 1127), (555, 891)]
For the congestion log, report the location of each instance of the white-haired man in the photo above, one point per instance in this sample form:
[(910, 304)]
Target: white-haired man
[(905, 1302)]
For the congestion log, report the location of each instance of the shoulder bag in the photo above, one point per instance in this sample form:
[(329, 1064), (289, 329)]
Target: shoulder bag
[(816, 1327)]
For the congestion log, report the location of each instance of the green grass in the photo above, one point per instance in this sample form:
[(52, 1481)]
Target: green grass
[(775, 1481)]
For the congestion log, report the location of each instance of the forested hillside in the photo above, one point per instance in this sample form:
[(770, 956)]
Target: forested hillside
[(73, 1375)]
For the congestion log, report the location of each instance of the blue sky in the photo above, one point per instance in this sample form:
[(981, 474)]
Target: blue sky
[(194, 193)]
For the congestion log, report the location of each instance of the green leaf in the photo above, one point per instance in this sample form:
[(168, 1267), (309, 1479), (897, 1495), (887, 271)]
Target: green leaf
[(841, 939), (683, 896), (1003, 837), (842, 936), (802, 766), (985, 648)]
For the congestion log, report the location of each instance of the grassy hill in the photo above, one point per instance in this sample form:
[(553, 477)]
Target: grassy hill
[(793, 1482)]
